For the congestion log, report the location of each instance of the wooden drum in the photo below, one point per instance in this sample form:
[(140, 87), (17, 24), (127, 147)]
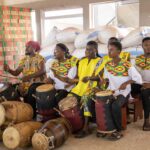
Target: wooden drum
[(45, 95), (103, 112), (16, 112), (52, 135), (20, 134), (70, 109)]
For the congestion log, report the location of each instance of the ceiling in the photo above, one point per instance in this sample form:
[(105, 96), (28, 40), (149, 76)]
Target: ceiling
[(46, 4)]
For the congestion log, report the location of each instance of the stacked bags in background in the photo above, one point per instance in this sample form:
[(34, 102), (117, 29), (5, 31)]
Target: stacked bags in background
[(76, 40)]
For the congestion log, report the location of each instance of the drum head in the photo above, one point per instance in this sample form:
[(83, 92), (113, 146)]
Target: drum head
[(40, 142), (44, 88), (67, 103), (104, 93), (2, 114), (11, 138)]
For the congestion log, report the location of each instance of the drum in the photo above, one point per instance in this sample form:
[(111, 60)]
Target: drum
[(103, 112), (20, 134), (8, 92), (70, 109), (52, 135), (16, 112), (45, 96), (2, 128)]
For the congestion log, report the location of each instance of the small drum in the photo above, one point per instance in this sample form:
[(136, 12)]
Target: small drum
[(45, 95), (20, 134), (103, 112), (8, 92), (16, 112), (70, 109), (52, 135)]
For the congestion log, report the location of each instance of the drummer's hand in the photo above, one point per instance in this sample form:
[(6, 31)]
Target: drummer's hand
[(54, 72), (85, 79), (146, 85), (6, 68), (47, 80), (26, 78), (123, 86)]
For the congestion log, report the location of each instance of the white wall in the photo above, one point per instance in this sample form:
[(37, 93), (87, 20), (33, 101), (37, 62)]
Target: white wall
[(1, 2), (144, 12)]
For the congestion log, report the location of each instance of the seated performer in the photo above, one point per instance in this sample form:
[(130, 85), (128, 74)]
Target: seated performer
[(123, 55), (60, 70), (143, 66), (71, 58), (32, 68), (88, 70), (120, 74)]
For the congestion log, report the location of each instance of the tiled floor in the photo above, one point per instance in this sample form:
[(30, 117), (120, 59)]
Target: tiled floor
[(134, 139)]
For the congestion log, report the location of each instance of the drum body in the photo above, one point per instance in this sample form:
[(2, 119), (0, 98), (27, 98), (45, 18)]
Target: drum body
[(20, 134), (52, 134), (8, 92), (45, 95), (104, 120), (70, 109), (16, 112)]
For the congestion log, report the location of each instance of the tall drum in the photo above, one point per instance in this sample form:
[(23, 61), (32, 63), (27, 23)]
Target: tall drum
[(16, 112), (52, 135), (20, 134), (70, 109), (45, 95), (103, 112)]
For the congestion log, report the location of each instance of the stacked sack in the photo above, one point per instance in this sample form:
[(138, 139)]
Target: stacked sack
[(100, 35), (76, 40)]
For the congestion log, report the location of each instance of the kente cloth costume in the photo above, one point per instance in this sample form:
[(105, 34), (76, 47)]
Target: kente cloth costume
[(143, 66), (31, 65), (117, 75)]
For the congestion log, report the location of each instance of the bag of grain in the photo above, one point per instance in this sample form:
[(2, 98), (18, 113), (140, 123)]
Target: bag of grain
[(102, 49), (106, 32), (79, 53), (70, 46), (48, 52), (123, 32), (51, 38), (83, 38), (67, 35), (134, 38)]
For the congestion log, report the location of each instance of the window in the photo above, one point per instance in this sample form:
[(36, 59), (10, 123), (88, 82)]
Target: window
[(122, 13), (103, 14), (63, 19), (33, 23)]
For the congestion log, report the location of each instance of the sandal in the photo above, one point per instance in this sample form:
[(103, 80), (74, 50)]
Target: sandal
[(146, 127), (102, 135), (82, 134), (115, 136)]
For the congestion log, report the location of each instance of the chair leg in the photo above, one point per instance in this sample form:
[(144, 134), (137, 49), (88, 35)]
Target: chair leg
[(135, 112), (138, 110), (124, 117)]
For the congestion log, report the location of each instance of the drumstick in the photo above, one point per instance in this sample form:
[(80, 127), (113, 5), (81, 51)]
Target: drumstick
[(4, 76), (59, 112)]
